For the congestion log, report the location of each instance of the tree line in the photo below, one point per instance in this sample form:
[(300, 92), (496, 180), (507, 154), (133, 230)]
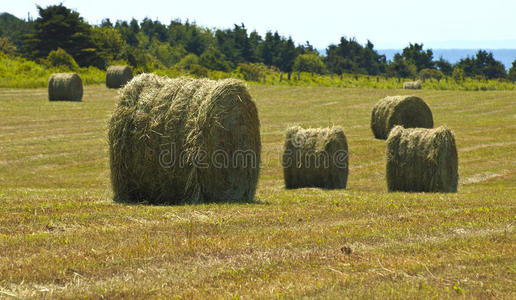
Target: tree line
[(61, 36)]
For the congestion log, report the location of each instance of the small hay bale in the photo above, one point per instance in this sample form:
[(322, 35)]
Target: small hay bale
[(184, 140), (118, 76), (407, 111), (65, 86), (315, 157), (422, 160), (412, 85)]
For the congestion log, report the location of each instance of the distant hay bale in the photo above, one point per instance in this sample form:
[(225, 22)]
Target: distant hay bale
[(118, 76), (422, 160), (412, 85), (407, 111), (184, 140), (65, 86), (316, 157)]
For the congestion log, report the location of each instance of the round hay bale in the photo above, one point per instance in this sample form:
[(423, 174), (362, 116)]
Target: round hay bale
[(407, 111), (118, 76), (315, 157), (184, 140), (65, 86), (412, 85), (422, 160)]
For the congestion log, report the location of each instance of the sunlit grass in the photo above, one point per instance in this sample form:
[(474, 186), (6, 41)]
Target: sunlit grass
[(61, 235)]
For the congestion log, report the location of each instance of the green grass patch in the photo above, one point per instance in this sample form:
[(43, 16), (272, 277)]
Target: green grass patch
[(62, 236)]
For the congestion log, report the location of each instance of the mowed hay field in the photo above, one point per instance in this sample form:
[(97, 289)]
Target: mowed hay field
[(61, 235)]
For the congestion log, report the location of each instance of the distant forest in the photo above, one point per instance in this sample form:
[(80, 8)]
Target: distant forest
[(60, 36)]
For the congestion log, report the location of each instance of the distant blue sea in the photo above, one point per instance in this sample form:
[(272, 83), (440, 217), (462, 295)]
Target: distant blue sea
[(505, 56)]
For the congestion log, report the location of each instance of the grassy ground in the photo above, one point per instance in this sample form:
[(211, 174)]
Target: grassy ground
[(62, 236)]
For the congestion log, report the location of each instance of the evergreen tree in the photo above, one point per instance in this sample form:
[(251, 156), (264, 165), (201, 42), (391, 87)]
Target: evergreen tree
[(444, 66), (59, 27), (307, 49), (194, 40), (14, 30), (154, 29), (512, 71), (254, 41), (266, 49), (127, 33), (287, 55), (414, 54), (109, 43), (351, 57), (106, 23), (234, 44), (6, 46), (399, 67), (483, 65), (215, 60)]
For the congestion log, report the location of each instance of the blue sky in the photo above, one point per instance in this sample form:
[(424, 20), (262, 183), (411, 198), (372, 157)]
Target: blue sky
[(388, 23)]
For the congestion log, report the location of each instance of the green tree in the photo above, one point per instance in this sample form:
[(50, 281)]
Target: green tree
[(195, 41), (6, 46), (154, 29), (106, 23), (235, 44), (59, 27), (143, 61), (167, 54), (372, 61), (307, 49), (415, 55), (109, 43), (351, 57), (60, 59), (431, 73), (14, 29), (342, 58), (128, 32), (309, 63), (252, 71), (254, 41), (213, 59), (267, 49), (277, 51), (482, 65), (399, 67), (444, 66), (458, 74), (187, 61), (287, 55), (512, 71)]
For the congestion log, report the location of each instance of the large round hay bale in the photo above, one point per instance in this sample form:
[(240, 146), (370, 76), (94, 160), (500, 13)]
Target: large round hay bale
[(422, 160), (118, 76), (184, 140), (407, 111), (316, 157), (412, 85), (65, 86)]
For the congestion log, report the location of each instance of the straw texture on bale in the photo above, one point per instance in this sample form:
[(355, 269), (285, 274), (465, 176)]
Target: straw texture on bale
[(65, 86), (412, 85), (118, 76), (315, 157), (422, 160), (184, 140), (407, 111)]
